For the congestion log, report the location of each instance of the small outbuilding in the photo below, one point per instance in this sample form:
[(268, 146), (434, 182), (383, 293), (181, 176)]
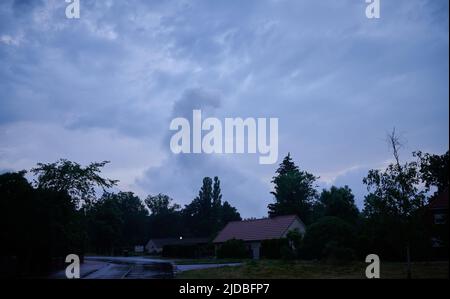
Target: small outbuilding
[(252, 232)]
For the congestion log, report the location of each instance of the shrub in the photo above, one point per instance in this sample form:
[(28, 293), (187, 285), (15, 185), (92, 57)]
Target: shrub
[(295, 238), (271, 249), (335, 252), (329, 237), (233, 249), (287, 253)]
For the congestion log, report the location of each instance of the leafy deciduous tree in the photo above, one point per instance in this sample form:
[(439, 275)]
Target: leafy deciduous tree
[(67, 176), (338, 202)]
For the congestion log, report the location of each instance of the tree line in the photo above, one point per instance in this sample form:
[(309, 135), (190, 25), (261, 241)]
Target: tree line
[(394, 223), (59, 212)]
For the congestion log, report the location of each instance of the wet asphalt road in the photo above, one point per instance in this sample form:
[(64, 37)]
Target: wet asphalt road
[(107, 267), (129, 268)]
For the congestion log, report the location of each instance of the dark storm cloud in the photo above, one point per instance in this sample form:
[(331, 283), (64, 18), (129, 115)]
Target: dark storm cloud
[(108, 85)]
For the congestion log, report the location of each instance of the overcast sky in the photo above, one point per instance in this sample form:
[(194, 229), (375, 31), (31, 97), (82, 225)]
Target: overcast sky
[(107, 85)]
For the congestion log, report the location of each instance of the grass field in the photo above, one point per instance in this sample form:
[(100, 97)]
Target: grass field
[(317, 270)]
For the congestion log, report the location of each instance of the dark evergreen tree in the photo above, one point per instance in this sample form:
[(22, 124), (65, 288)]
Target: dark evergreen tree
[(206, 214), (229, 213), (294, 191), (216, 194), (216, 213)]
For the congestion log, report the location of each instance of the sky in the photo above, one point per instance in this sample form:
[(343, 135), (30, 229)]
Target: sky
[(107, 85)]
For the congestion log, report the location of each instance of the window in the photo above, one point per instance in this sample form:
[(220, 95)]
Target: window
[(436, 242), (440, 218)]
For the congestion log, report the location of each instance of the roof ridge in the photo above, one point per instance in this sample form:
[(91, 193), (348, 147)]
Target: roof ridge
[(256, 229), (265, 218)]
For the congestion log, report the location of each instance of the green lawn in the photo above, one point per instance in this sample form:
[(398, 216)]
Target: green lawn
[(304, 269), (207, 261)]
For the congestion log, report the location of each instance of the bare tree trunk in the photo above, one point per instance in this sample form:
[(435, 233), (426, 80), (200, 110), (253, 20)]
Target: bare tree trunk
[(408, 262), (394, 142)]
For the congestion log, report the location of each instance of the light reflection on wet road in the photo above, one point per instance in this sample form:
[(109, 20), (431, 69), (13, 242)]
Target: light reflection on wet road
[(130, 268)]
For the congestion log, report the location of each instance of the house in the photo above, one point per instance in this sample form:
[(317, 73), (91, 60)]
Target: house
[(157, 245), (438, 223), (438, 208), (252, 232)]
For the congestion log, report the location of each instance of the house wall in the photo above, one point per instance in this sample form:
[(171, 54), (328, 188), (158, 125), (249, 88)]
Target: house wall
[(256, 249), (296, 225)]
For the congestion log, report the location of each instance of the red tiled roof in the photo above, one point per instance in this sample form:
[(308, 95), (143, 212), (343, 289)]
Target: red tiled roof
[(256, 230), (440, 202)]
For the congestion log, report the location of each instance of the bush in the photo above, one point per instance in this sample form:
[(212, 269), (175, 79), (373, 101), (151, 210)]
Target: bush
[(295, 238), (329, 237), (287, 253), (335, 252), (271, 249), (233, 249)]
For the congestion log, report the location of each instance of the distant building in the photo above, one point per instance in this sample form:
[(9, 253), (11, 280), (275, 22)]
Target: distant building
[(252, 232), (157, 245), (139, 249)]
